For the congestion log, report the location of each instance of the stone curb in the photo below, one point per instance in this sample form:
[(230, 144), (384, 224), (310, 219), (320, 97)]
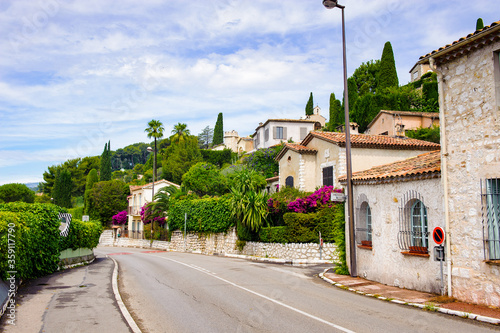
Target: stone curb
[(462, 314), (123, 309), (294, 262)]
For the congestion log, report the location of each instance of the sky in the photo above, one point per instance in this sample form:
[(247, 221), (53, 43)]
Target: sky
[(75, 74)]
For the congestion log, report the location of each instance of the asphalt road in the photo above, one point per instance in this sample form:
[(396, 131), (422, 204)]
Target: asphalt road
[(179, 292)]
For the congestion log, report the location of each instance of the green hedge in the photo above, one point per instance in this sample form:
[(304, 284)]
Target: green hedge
[(37, 244), (76, 213), (274, 235), (37, 238), (81, 235), (209, 215)]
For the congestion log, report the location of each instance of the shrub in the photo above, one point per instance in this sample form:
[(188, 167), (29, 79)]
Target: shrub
[(300, 227), (274, 235), (37, 248), (16, 192), (339, 237), (76, 213), (120, 218), (312, 202), (203, 215), (82, 234)]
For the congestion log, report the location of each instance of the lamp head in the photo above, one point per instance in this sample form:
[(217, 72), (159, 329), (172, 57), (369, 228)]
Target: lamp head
[(330, 3), (149, 149)]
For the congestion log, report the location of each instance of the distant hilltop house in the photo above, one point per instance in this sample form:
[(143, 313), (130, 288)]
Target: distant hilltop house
[(419, 70), (395, 123), (236, 143), (275, 131)]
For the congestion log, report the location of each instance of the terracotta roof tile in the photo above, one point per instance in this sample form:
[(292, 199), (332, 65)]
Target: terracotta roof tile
[(296, 147), (373, 141), (427, 165), (462, 39)]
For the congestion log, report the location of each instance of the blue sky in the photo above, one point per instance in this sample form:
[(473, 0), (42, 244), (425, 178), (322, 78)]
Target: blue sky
[(75, 74)]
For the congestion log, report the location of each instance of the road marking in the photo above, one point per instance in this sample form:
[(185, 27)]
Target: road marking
[(340, 328), (114, 281), (118, 253)]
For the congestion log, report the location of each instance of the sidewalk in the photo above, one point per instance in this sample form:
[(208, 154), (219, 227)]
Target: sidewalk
[(423, 300), (74, 300)]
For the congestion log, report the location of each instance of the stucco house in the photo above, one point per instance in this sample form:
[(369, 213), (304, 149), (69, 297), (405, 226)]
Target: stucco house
[(320, 158), (468, 72), (391, 123), (139, 196), (397, 205), (276, 131)]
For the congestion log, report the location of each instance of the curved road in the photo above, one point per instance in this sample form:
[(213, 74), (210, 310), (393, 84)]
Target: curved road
[(180, 292)]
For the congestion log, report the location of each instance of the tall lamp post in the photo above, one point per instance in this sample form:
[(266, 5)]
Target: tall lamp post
[(329, 4), (153, 194)]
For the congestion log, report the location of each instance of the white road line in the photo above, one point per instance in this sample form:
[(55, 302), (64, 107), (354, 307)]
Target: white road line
[(343, 329), (114, 281)]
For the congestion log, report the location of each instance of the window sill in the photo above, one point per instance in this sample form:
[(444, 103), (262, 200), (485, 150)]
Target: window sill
[(408, 253), (494, 262), (365, 247)]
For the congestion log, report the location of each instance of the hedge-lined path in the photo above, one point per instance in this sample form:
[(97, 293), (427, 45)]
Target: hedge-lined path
[(74, 300)]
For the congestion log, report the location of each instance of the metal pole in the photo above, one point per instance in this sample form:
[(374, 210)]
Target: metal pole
[(350, 203), (153, 195), (185, 223)]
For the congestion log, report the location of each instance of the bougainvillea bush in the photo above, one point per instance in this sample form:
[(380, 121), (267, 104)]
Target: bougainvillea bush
[(120, 218), (146, 216), (312, 202)]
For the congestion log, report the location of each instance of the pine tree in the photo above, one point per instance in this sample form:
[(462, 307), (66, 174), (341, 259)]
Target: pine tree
[(388, 76), (218, 131), (310, 105), (62, 188), (336, 114), (105, 169), (479, 24)]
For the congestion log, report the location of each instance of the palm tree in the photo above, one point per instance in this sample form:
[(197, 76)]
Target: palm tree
[(155, 130), (180, 132)]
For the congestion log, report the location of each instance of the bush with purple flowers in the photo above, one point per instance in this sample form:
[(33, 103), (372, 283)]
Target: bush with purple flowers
[(120, 218), (311, 203), (146, 216)]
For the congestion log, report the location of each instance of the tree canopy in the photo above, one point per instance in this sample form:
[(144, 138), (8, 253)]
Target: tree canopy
[(388, 76), (16, 192), (108, 198), (62, 189), (155, 130), (204, 179), (179, 157), (105, 169)]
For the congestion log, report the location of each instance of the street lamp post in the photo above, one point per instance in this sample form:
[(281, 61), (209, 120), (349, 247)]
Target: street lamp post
[(153, 194), (329, 4)]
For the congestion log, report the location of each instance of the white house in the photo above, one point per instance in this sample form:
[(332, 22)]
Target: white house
[(139, 196)]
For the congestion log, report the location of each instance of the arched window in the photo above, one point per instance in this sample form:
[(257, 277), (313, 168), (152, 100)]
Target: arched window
[(413, 229), (364, 222), (418, 224), (289, 181)]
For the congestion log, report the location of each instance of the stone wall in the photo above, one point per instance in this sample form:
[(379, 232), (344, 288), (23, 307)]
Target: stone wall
[(225, 244), (472, 118)]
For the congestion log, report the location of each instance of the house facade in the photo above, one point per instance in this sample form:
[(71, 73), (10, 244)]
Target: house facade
[(276, 131), (321, 158), (236, 143), (139, 196), (397, 122), (397, 206), (468, 72)]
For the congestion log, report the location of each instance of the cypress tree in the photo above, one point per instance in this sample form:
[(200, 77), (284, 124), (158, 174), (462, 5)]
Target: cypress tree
[(479, 24), (218, 137), (388, 76), (336, 114), (310, 105), (62, 188), (352, 94), (105, 169), (92, 178)]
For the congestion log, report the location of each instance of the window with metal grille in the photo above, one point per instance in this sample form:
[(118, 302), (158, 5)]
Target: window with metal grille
[(364, 222), (328, 176), (413, 229), (490, 195), (289, 181)]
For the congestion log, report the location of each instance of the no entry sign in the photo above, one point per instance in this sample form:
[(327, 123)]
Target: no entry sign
[(438, 235)]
